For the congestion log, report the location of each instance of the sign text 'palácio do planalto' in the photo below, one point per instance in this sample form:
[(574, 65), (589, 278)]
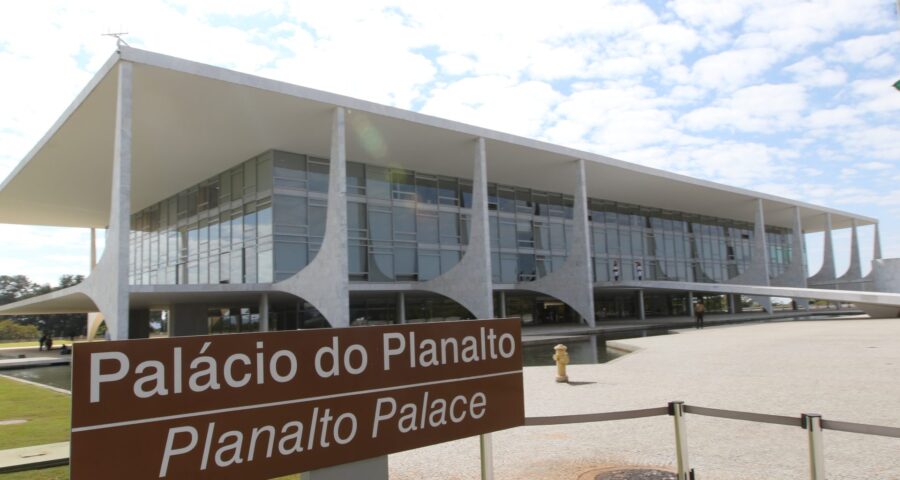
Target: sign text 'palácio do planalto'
[(266, 404)]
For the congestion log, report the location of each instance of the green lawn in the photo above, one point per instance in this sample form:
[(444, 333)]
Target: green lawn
[(47, 413), (55, 473)]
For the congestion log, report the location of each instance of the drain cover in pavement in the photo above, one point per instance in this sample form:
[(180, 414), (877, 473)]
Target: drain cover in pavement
[(628, 474)]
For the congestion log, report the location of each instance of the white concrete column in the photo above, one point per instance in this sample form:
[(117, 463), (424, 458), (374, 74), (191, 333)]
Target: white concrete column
[(690, 296), (93, 249), (795, 274), (107, 286), (324, 282), (642, 314), (573, 282), (502, 304), (854, 271), (826, 274), (758, 271), (876, 252), (264, 312), (401, 307), (469, 281)]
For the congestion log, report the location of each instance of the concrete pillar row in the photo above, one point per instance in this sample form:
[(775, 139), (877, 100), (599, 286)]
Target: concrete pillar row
[(573, 282), (469, 282), (107, 286), (324, 282)]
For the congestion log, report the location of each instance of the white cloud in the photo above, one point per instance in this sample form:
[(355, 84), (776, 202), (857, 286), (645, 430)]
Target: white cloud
[(455, 64), (864, 49), (715, 14), (495, 102), (875, 166), (761, 108), (733, 69), (813, 71), (834, 117)]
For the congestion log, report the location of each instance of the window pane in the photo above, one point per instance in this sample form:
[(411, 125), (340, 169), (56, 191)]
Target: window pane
[(405, 261), (449, 258), (448, 191), (506, 198), (378, 183), (356, 258), (427, 228), (318, 175), (429, 264), (449, 225), (290, 170), (379, 224), (507, 235), (264, 221), (264, 173), (356, 178), (426, 189), (356, 217), (403, 184)]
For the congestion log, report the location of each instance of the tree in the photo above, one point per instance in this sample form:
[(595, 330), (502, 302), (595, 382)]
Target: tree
[(18, 287)]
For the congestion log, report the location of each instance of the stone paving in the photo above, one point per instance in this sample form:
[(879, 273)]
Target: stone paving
[(846, 370)]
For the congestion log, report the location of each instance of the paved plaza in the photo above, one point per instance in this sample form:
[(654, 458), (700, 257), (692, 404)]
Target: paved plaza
[(846, 370)]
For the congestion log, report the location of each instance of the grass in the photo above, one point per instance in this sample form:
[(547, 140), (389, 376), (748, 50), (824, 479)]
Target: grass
[(48, 414), (55, 473)]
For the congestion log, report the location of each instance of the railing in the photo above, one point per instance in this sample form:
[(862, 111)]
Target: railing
[(812, 423)]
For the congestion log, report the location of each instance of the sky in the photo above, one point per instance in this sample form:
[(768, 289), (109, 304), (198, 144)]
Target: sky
[(788, 97)]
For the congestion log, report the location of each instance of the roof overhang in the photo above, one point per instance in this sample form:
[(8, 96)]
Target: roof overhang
[(191, 121)]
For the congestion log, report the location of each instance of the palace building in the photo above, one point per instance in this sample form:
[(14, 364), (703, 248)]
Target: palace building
[(238, 203)]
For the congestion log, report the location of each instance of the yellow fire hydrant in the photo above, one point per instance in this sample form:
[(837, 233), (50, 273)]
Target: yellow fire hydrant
[(561, 357)]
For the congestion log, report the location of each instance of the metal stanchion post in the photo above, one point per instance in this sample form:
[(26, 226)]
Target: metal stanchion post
[(812, 423), (676, 409), (487, 456)]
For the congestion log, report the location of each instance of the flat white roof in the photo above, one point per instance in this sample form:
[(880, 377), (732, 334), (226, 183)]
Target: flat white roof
[(191, 121)]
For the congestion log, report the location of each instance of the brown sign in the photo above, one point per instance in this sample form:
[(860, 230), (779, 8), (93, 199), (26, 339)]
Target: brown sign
[(262, 405)]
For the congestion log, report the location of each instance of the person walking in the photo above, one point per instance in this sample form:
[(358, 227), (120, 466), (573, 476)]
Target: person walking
[(699, 309), (639, 270), (615, 271)]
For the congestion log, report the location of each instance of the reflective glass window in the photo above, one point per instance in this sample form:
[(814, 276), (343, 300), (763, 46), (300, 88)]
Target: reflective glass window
[(426, 189), (318, 175), (356, 178)]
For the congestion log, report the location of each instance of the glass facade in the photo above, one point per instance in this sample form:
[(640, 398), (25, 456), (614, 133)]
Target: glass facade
[(218, 231), (264, 220)]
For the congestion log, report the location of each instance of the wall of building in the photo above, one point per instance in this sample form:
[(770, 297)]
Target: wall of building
[(264, 219)]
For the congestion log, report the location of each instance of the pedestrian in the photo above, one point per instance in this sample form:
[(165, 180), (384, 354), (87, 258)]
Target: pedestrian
[(639, 270), (49, 343), (616, 271), (42, 340), (698, 312)]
